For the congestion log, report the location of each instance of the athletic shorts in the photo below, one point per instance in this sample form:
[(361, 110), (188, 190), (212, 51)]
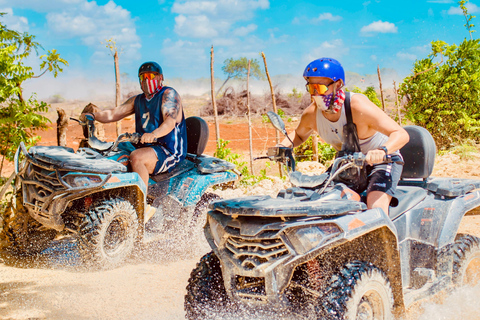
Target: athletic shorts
[(384, 177), (161, 153)]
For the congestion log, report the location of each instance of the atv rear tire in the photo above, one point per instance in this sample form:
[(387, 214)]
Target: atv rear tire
[(21, 232), (108, 233), (359, 291), (206, 297), (466, 260)]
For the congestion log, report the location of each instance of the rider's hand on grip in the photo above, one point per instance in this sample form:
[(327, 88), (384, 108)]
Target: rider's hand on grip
[(148, 138), (375, 156)]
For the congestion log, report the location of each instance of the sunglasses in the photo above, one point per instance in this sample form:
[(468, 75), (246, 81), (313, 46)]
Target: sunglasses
[(320, 89), (147, 75)]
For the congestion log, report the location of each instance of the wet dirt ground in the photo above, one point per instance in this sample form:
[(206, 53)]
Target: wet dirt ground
[(152, 284)]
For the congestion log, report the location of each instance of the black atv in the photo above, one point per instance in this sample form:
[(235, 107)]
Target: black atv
[(317, 251)]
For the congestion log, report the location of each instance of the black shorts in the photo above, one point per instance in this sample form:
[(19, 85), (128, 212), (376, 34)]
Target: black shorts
[(384, 177)]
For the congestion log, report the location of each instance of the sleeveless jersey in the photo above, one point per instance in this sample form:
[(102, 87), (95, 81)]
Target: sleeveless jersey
[(332, 133), (149, 116)]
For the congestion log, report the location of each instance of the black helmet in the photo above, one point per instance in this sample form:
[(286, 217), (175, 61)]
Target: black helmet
[(150, 66)]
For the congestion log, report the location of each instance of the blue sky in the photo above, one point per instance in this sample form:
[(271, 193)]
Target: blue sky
[(178, 34)]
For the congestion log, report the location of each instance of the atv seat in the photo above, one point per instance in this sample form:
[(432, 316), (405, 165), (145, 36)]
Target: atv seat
[(197, 135), (418, 154)]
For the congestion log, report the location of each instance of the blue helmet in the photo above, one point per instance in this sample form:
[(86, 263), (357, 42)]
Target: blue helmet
[(150, 66), (325, 67)]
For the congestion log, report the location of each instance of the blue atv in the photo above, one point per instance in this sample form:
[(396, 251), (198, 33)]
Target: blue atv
[(91, 197)]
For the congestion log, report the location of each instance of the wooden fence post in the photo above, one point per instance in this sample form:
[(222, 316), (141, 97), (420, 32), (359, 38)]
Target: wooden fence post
[(62, 126), (381, 90), (277, 137), (398, 104), (249, 119), (117, 90), (315, 147), (214, 103)]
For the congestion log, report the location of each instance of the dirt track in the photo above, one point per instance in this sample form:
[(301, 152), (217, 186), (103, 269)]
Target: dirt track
[(152, 285)]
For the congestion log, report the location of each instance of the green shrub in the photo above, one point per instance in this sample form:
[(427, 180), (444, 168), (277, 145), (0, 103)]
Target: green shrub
[(246, 178), (444, 97), (304, 152)]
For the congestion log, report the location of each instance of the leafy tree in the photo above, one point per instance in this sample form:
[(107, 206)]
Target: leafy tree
[(238, 68), (444, 97), (19, 116), (468, 17), (370, 93)]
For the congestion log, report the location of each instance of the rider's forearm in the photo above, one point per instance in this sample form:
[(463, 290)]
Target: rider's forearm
[(165, 128), (297, 140), (116, 114), (106, 116), (396, 140)]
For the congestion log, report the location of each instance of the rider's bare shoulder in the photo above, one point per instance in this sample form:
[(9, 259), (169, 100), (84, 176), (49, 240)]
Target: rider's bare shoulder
[(363, 108), (308, 115)]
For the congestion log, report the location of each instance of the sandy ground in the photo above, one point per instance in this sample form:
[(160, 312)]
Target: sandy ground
[(152, 285)]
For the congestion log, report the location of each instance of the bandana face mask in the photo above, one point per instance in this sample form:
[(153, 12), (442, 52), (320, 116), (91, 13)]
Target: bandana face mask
[(152, 85), (330, 103)]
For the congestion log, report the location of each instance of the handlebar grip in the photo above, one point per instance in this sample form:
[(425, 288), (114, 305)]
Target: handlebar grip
[(389, 159), (259, 158)]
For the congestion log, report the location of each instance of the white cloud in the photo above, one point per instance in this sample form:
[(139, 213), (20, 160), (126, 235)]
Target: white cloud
[(335, 49), (198, 26), (471, 7), (94, 24), (327, 16), (180, 51), (373, 57), (243, 31), (207, 19), (14, 22), (406, 56), (379, 27)]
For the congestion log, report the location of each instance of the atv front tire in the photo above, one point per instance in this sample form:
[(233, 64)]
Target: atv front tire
[(206, 297), (358, 291), (108, 234), (22, 233), (466, 260), (200, 212)]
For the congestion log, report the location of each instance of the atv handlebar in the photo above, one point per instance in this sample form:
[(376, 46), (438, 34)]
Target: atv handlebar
[(355, 160), (105, 147), (280, 154)]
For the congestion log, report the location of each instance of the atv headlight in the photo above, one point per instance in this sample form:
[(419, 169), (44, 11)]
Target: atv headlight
[(216, 230), (308, 238), (76, 181)]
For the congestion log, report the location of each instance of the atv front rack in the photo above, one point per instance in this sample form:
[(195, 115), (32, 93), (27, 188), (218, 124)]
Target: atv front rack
[(43, 183)]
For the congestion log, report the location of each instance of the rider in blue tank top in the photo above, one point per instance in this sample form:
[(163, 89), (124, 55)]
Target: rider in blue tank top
[(148, 117), (159, 118)]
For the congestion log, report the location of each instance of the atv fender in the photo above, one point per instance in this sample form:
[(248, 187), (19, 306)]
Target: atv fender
[(194, 185), (459, 207)]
